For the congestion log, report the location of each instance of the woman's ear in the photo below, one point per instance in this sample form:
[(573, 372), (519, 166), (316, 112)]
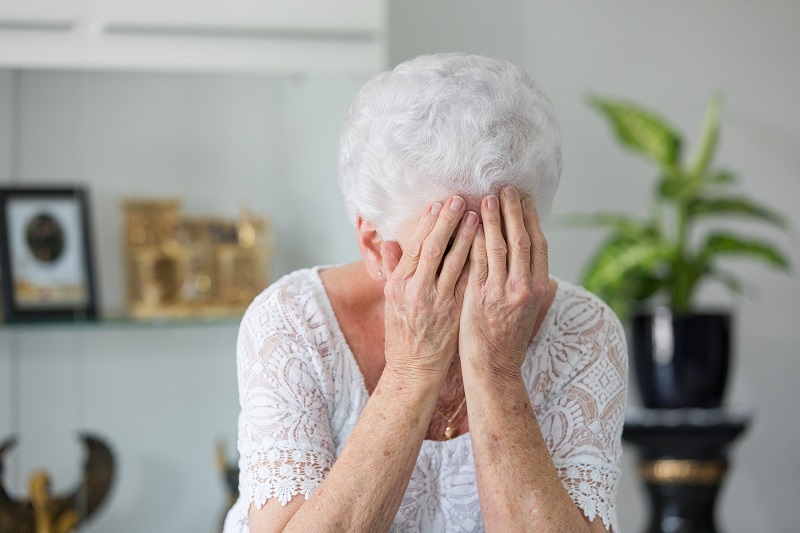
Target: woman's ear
[(369, 242)]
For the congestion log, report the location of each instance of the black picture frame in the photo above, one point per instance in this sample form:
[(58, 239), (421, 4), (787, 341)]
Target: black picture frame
[(57, 241)]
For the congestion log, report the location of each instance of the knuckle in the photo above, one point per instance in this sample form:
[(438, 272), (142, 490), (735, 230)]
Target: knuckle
[(414, 291), (521, 287), (432, 250), (498, 249), (541, 288), (451, 268), (465, 233), (492, 217), (413, 249), (540, 243), (451, 219), (521, 242)]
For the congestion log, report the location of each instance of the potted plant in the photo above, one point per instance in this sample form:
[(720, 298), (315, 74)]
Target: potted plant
[(681, 354)]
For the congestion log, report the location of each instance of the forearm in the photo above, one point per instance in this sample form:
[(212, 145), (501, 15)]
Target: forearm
[(518, 486), (365, 487)]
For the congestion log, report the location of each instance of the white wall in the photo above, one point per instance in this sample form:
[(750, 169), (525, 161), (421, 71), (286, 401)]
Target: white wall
[(669, 56), (162, 396)]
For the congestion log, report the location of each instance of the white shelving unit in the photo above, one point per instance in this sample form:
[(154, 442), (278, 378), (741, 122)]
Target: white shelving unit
[(194, 35)]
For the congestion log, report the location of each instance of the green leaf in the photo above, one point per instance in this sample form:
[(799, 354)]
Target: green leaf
[(635, 288), (728, 244), (722, 177), (678, 187), (641, 130), (618, 257), (734, 205), (708, 137), (728, 279)]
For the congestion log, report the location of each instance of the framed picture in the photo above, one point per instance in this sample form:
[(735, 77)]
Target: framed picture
[(46, 265)]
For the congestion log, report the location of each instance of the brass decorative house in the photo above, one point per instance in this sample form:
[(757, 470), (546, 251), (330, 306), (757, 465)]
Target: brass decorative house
[(181, 267)]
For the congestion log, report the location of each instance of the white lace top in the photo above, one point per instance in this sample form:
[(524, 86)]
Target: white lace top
[(301, 393)]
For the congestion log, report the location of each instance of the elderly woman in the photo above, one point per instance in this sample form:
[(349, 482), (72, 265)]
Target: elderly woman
[(445, 382)]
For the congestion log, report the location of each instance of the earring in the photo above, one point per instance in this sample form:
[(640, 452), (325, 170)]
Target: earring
[(380, 273)]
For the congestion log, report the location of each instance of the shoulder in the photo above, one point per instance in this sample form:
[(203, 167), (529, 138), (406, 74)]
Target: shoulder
[(290, 301), (583, 332), (288, 312), (580, 311)]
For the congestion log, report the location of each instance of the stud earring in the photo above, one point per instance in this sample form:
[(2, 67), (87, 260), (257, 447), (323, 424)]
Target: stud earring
[(380, 273)]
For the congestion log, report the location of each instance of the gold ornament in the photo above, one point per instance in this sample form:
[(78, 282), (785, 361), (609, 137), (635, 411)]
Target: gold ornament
[(450, 431)]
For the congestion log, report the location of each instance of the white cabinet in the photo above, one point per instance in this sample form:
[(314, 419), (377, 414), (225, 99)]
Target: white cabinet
[(40, 13), (40, 32), (319, 15), (210, 35)]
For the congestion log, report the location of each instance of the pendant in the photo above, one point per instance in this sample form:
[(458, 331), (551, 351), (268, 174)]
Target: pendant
[(449, 431)]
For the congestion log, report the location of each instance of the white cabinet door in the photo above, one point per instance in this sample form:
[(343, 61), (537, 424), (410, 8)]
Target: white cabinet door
[(45, 14), (248, 15), (40, 33), (211, 35)]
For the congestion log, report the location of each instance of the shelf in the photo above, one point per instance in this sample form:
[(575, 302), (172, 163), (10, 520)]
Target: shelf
[(121, 321)]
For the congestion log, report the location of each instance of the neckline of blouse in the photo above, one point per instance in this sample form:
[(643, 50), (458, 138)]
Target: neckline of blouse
[(350, 359)]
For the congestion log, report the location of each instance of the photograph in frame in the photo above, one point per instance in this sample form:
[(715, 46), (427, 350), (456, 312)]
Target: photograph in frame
[(46, 254)]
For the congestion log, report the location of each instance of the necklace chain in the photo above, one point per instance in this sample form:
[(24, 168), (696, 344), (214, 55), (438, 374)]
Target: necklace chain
[(449, 431)]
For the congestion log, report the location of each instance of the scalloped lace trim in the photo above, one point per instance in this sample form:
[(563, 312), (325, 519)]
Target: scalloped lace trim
[(281, 474), (592, 488)]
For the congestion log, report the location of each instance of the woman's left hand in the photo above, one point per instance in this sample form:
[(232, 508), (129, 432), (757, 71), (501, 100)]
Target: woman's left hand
[(508, 282)]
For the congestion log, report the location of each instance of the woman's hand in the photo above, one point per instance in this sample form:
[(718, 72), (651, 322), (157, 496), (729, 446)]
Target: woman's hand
[(425, 291), (508, 282)]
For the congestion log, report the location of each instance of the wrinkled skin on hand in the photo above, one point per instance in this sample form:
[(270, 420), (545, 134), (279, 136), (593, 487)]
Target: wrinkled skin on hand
[(423, 301), (507, 284)]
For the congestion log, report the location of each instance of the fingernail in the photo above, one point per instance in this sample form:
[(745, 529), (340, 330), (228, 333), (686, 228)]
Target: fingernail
[(528, 204), (511, 193), (435, 208), (491, 203), (472, 218), (457, 203)]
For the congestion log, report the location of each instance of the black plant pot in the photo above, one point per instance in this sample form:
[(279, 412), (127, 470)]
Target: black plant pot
[(681, 360)]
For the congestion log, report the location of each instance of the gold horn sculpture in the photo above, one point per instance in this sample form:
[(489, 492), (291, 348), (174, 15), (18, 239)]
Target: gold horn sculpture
[(44, 512)]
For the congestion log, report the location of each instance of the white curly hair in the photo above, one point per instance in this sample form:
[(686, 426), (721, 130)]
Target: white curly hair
[(443, 124)]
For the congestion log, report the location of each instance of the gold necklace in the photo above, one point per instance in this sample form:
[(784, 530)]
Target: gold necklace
[(449, 431)]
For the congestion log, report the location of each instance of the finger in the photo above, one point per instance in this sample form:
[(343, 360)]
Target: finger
[(461, 284), (478, 261), (454, 260), (411, 256), (390, 257), (435, 243), (539, 253), (496, 249), (519, 242)]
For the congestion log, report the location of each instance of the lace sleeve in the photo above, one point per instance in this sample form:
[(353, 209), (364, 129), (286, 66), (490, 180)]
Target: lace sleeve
[(582, 423), (284, 441)]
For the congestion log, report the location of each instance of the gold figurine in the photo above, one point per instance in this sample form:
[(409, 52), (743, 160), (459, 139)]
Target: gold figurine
[(181, 267), (48, 513)]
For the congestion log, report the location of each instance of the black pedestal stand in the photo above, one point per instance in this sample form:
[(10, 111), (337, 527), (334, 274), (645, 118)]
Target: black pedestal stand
[(683, 460)]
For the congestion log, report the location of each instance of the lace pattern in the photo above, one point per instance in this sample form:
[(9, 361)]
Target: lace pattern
[(301, 396), (282, 474), (593, 488)]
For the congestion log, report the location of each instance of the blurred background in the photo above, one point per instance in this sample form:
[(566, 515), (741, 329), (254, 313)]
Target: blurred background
[(207, 105)]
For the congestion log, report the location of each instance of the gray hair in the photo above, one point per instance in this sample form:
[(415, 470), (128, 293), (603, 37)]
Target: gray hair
[(443, 124)]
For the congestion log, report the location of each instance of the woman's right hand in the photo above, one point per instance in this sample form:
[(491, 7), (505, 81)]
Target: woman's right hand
[(423, 301)]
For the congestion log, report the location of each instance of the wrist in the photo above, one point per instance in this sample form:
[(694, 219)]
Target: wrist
[(491, 376), (405, 377)]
